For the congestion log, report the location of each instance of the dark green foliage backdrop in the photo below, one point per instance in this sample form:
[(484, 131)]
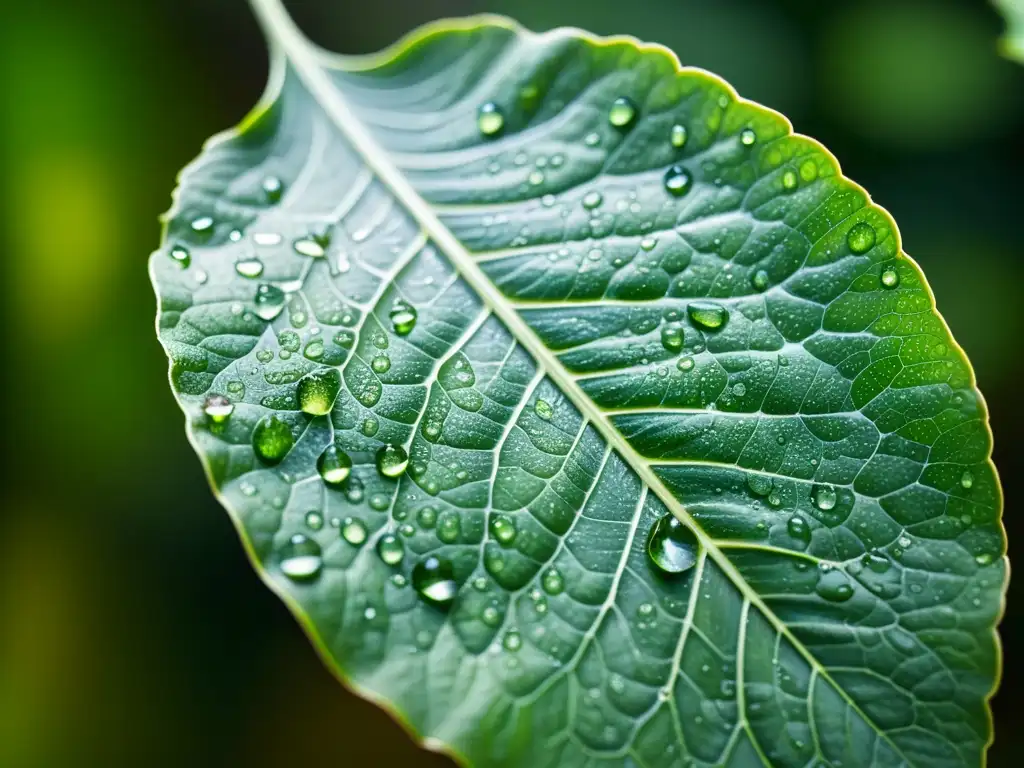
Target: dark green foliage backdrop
[(132, 630)]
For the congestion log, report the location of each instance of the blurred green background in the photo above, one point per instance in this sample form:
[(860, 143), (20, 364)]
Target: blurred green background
[(132, 629)]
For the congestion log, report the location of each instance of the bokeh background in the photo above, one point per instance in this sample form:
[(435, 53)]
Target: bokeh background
[(132, 629)]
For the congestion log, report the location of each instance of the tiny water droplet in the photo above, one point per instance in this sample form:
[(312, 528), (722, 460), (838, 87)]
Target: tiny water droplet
[(353, 531), (967, 479), (370, 426), (503, 529), (748, 137), (592, 139), (707, 314), (392, 460), (308, 246), (798, 529), (552, 582), (269, 301), (434, 579), (381, 364), (390, 549), (403, 318), (672, 546), (622, 113), (677, 136), (218, 408), (592, 200), (648, 243), (334, 465), (301, 558), (249, 267), (181, 255), (512, 641), (824, 497), (677, 181), (672, 337), (314, 520), (759, 485), (489, 119), (789, 180), (273, 188), (317, 391), (760, 280), (543, 410), (314, 350), (876, 561), (448, 527), (202, 225), (890, 278), (685, 364), (271, 440)]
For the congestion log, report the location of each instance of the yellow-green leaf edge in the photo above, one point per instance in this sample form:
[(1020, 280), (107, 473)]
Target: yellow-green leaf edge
[(1012, 45)]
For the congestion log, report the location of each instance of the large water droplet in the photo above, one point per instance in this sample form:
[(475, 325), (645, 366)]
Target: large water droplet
[(403, 318), (353, 531), (707, 314), (677, 136), (301, 558), (218, 408), (861, 237), (677, 181), (622, 113), (489, 119), (271, 440), (334, 465), (317, 391), (434, 580), (672, 546), (269, 301), (181, 255), (503, 529), (392, 460)]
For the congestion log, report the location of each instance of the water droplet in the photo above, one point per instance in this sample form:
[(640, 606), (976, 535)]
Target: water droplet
[(491, 616), (622, 113), (301, 558), (552, 582), (672, 546), (334, 465), (181, 255), (760, 280), (218, 408), (672, 337), (789, 180), (748, 137), (592, 200), (503, 529), (824, 497), (427, 517), (985, 558), (317, 391), (448, 527), (707, 314), (403, 318), (685, 364), (271, 440), (536, 178), (678, 135), (307, 246), (890, 278), (648, 243), (861, 237), (391, 549), (739, 389), (273, 188), (269, 301), (370, 426), (353, 530), (314, 349), (202, 225), (592, 139), (834, 586), (266, 238), (798, 529), (249, 267), (759, 485), (314, 520), (489, 119), (876, 561), (543, 410), (677, 181), (381, 364), (392, 460), (434, 579), (512, 641)]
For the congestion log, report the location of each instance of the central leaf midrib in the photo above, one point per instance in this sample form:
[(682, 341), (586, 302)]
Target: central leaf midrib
[(282, 31)]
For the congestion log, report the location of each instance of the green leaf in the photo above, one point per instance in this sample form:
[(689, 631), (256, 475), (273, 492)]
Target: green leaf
[(583, 413), (1012, 42)]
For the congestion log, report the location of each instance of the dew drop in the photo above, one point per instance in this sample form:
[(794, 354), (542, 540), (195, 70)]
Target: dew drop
[(271, 440), (353, 531), (434, 579), (512, 641), (334, 465), (218, 408), (269, 301), (266, 238), (392, 460), (834, 586), (552, 582), (672, 546), (824, 497), (181, 255), (677, 181), (317, 391), (202, 225), (685, 364), (273, 188), (314, 520), (876, 561), (789, 180), (503, 529), (403, 318), (677, 136), (748, 137), (861, 237), (381, 364), (314, 350), (798, 529), (308, 246), (301, 558), (491, 616), (427, 517), (890, 278), (249, 267), (707, 314), (543, 410), (390, 549), (648, 243), (592, 200), (489, 119), (759, 485), (622, 113), (672, 337), (448, 527), (967, 479), (760, 280)]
